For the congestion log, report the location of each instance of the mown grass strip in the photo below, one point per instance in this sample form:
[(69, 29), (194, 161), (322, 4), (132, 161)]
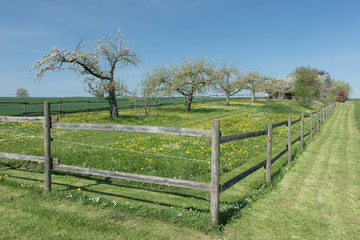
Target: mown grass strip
[(318, 199)]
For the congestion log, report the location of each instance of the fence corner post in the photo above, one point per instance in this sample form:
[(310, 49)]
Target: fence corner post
[(47, 148), (215, 172), (289, 139)]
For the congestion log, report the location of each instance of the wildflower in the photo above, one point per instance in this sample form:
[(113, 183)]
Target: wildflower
[(79, 189), (41, 185)]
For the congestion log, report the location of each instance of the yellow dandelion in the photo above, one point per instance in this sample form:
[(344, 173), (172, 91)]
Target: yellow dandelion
[(79, 189)]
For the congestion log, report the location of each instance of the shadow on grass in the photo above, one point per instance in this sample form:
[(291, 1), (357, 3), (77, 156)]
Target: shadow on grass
[(107, 181), (233, 209), (243, 204)]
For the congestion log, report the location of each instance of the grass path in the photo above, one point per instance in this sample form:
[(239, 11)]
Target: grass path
[(320, 197)]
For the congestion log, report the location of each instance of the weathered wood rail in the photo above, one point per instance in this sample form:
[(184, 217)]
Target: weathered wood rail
[(214, 140), (55, 161), (135, 177), (134, 128)]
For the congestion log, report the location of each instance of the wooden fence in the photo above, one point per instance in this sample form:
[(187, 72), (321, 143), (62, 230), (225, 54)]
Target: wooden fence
[(214, 140)]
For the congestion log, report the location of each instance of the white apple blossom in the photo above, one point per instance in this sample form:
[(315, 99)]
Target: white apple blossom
[(97, 64)]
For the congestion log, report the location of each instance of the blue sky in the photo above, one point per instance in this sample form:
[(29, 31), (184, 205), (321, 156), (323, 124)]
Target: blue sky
[(273, 37)]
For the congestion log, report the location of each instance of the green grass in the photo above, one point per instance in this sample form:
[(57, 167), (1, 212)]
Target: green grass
[(357, 113), (154, 154), (319, 198), (169, 204), (30, 215)]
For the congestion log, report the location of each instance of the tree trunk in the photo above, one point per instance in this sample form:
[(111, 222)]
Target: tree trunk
[(113, 105), (252, 96), (269, 96), (190, 98), (146, 107), (113, 108), (227, 98)]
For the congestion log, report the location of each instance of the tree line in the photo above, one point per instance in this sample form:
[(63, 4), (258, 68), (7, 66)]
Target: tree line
[(190, 77)]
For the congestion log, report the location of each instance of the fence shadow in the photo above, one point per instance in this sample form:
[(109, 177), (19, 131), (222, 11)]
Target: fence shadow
[(107, 181)]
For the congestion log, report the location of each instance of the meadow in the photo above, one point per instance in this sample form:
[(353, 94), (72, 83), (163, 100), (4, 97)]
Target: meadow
[(157, 155)]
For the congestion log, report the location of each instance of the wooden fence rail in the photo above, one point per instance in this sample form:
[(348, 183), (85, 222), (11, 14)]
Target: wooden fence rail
[(134, 128), (55, 161), (135, 177), (214, 140)]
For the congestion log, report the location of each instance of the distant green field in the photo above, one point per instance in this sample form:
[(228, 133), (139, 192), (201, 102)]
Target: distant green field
[(34, 105), (16, 106)]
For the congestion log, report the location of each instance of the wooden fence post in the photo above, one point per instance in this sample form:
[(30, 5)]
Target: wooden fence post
[(327, 112), (289, 139), (302, 131), (47, 146), (311, 133), (269, 152), (87, 105), (215, 172), (317, 120), (320, 116), (323, 115)]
